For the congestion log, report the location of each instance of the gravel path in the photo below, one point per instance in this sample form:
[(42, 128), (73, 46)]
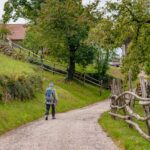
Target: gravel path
[(74, 130)]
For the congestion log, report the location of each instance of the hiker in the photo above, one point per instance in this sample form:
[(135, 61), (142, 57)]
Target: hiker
[(50, 100)]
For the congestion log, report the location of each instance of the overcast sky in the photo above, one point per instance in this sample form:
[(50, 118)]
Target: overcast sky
[(2, 2)]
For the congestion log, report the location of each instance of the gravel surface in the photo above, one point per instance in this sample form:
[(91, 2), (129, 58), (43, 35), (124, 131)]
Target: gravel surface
[(74, 130)]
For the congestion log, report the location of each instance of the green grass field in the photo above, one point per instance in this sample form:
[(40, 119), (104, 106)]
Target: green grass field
[(9, 66), (125, 137), (71, 95), (115, 72)]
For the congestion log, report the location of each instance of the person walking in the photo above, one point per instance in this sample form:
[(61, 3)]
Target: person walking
[(50, 100)]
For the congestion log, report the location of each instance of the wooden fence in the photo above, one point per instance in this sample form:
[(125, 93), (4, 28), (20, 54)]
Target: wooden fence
[(53, 67), (124, 105)]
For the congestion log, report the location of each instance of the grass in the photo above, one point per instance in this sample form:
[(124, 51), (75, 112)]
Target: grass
[(115, 72), (126, 138), (71, 95), (8, 66)]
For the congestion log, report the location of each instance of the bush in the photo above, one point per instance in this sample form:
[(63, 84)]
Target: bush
[(21, 87)]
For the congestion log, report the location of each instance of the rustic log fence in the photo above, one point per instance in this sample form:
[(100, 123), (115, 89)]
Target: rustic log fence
[(126, 100), (50, 66)]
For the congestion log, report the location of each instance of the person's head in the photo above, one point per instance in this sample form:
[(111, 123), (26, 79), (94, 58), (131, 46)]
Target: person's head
[(51, 84)]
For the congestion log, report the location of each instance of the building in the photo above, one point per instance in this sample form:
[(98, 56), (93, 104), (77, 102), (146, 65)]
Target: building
[(17, 32), (115, 63)]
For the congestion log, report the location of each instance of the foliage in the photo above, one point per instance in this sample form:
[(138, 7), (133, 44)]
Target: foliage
[(64, 25), (101, 62), (3, 31), (85, 55), (131, 25), (22, 8), (126, 22), (63, 33), (103, 38), (19, 87), (32, 40), (103, 35)]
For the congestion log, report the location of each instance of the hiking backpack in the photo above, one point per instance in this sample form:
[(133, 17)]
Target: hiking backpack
[(49, 95)]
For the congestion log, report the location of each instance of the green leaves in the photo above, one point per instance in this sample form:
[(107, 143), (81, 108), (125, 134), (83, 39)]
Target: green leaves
[(15, 9), (126, 22)]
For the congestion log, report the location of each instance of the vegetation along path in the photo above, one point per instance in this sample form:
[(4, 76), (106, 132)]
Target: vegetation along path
[(74, 130)]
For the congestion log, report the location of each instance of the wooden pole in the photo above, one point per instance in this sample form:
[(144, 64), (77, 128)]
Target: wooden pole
[(130, 80), (53, 69), (144, 95), (84, 78), (100, 87)]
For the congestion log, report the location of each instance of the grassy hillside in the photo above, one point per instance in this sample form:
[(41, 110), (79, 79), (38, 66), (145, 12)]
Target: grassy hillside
[(71, 96), (9, 66), (115, 72)]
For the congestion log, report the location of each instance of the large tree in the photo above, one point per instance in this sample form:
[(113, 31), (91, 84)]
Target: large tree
[(64, 25), (127, 22), (132, 24), (102, 36)]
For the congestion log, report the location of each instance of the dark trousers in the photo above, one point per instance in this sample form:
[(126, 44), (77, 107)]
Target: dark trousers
[(48, 108)]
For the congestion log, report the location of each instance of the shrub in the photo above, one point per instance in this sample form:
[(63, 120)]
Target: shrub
[(21, 87)]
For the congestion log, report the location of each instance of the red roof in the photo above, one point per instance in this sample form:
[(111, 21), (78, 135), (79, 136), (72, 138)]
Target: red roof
[(17, 31)]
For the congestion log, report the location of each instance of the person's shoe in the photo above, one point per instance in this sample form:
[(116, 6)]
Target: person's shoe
[(46, 118), (53, 118)]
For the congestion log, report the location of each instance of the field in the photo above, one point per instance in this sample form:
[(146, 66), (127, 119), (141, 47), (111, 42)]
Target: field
[(71, 95), (8, 66)]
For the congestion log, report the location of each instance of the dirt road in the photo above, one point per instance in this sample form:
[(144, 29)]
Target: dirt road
[(74, 130)]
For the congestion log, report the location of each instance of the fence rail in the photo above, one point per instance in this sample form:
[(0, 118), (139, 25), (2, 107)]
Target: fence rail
[(126, 101), (52, 66)]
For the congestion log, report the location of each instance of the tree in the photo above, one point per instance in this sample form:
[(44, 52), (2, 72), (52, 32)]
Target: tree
[(32, 40), (85, 55), (64, 25), (15, 9), (103, 38), (126, 22)]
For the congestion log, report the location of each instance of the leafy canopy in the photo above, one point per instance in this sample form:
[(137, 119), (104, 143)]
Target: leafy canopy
[(127, 22), (22, 8)]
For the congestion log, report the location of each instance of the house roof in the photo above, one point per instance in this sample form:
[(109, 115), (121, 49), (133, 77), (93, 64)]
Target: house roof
[(17, 31)]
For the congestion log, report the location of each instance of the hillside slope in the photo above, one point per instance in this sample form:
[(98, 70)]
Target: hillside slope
[(71, 95), (8, 66)]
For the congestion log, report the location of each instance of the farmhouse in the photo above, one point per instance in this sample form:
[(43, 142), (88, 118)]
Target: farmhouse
[(17, 32)]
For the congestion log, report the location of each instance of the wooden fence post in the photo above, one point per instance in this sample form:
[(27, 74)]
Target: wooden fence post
[(54, 69), (130, 89), (144, 95), (84, 77), (100, 87), (130, 80)]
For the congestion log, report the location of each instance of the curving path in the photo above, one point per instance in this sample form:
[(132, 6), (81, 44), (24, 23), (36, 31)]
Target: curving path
[(74, 130)]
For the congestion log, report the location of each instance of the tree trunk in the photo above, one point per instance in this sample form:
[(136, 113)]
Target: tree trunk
[(71, 69)]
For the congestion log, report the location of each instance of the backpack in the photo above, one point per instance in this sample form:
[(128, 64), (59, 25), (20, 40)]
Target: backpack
[(49, 93)]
